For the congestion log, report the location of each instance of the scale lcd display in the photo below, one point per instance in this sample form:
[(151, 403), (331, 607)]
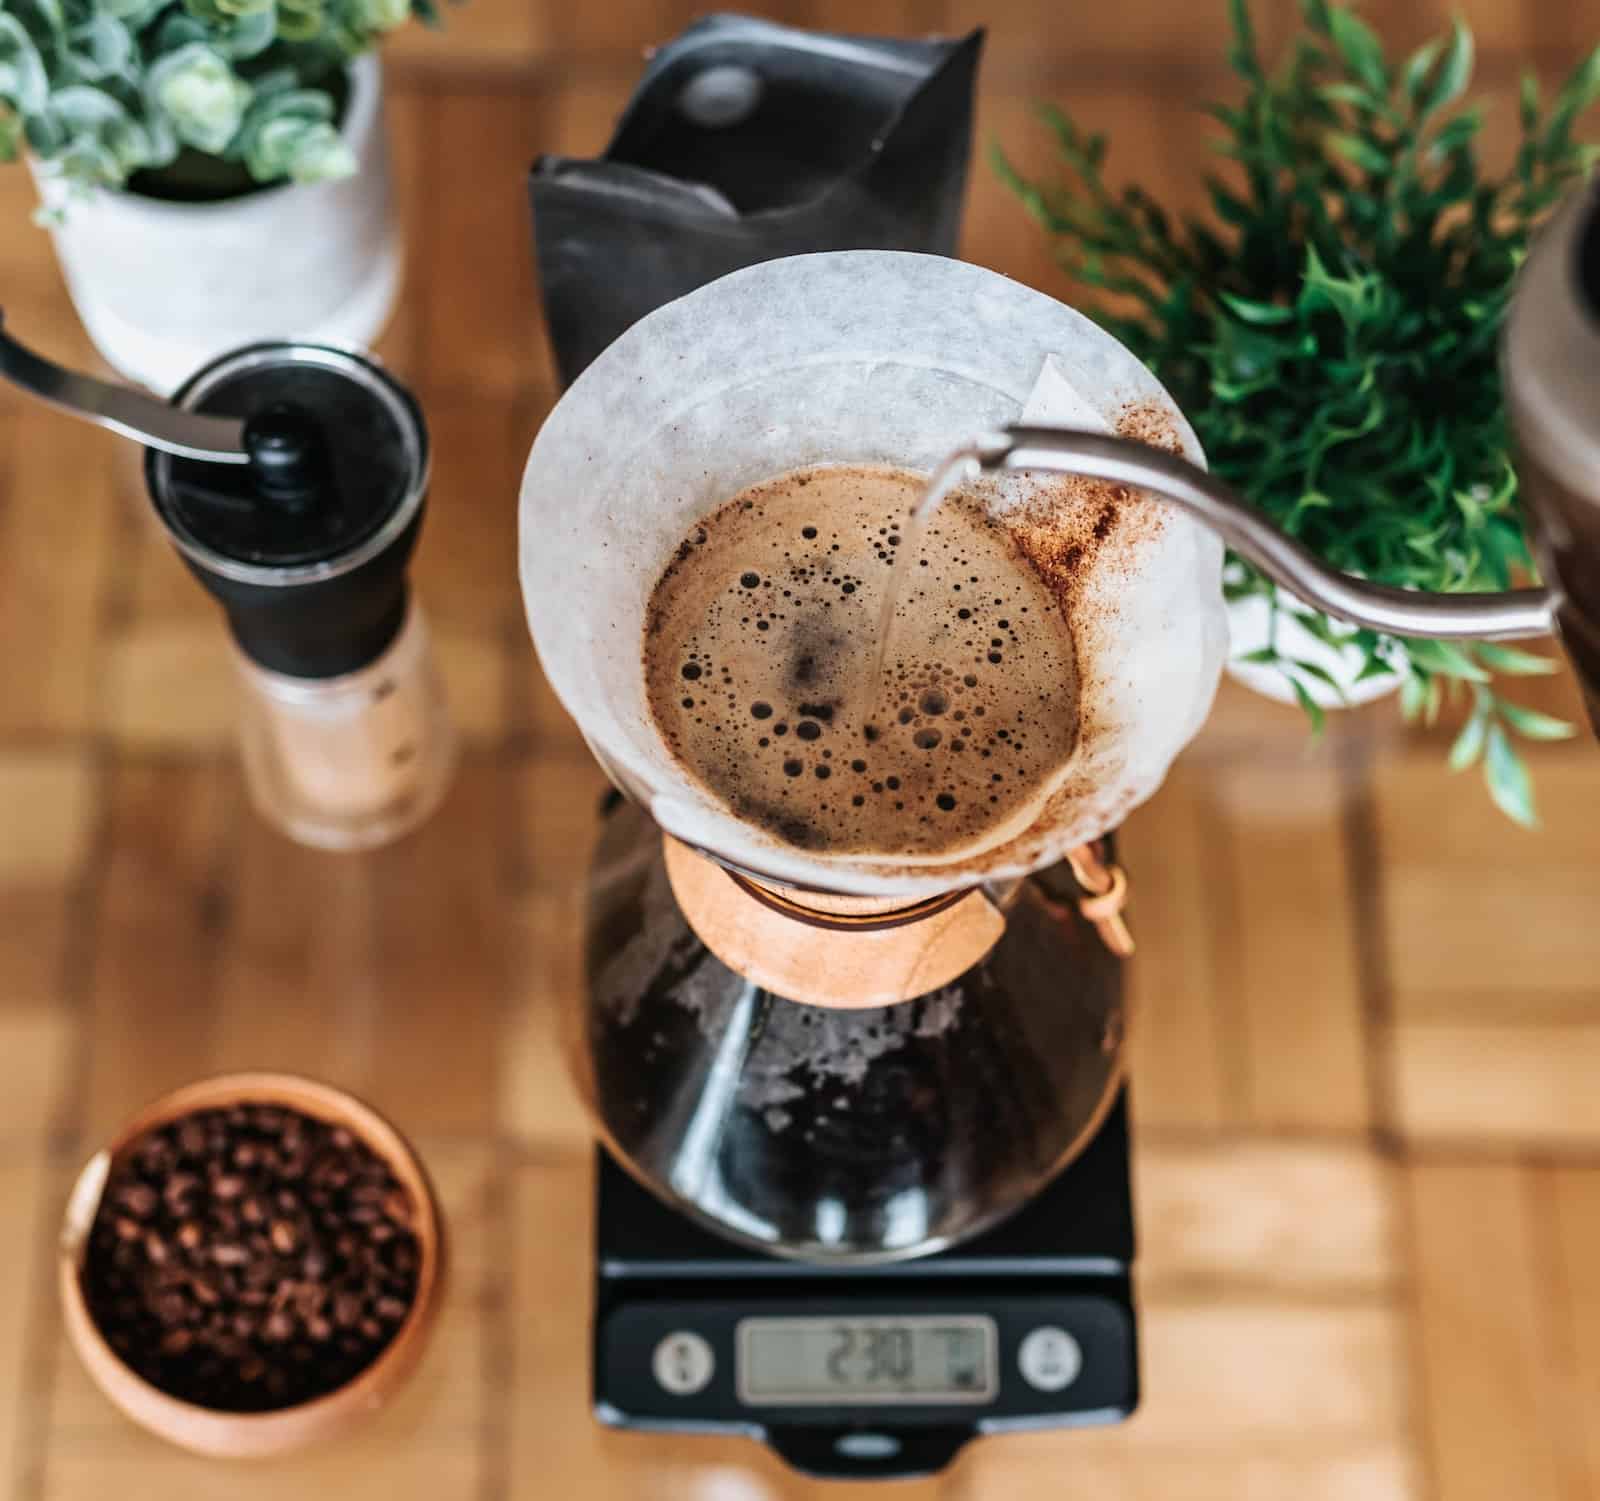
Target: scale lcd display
[(847, 1361)]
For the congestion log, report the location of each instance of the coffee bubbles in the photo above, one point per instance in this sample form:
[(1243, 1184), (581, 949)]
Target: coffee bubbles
[(760, 640)]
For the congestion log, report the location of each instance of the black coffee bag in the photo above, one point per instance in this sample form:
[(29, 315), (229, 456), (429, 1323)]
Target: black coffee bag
[(744, 142)]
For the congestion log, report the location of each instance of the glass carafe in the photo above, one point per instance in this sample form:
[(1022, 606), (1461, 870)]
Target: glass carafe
[(840, 1132)]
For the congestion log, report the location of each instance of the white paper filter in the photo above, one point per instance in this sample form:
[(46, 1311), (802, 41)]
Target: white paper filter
[(865, 357)]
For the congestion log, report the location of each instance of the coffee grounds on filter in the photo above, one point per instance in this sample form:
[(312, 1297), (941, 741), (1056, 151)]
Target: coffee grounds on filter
[(251, 1258)]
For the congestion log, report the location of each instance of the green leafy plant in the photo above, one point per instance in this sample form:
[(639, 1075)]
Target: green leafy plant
[(102, 90), (1332, 332)]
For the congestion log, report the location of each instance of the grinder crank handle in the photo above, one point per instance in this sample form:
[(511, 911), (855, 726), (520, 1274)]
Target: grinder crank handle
[(189, 435)]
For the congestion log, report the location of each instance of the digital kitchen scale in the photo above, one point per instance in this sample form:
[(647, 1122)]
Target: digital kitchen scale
[(885, 1371)]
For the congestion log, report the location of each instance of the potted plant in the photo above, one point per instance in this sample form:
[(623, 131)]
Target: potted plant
[(1332, 336), (212, 171)]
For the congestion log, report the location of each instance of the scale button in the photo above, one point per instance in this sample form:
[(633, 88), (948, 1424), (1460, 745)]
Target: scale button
[(867, 1446), (1049, 1359), (683, 1363)]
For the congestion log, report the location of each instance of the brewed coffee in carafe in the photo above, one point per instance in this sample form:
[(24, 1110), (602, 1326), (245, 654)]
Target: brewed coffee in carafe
[(836, 1036)]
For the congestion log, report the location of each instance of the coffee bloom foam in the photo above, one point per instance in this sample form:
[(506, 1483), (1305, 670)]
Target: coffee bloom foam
[(759, 648)]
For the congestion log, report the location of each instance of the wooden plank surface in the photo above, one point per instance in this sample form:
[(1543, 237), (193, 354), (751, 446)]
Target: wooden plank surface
[(58, 521), (1491, 1383), (1352, 1288)]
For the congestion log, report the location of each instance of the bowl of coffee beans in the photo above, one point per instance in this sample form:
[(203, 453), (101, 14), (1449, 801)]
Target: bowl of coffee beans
[(252, 1265)]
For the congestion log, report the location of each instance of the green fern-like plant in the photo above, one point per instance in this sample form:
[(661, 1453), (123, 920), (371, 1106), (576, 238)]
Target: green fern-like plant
[(1331, 330)]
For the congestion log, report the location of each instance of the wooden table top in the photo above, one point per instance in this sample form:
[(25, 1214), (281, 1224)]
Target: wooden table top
[(1367, 1040)]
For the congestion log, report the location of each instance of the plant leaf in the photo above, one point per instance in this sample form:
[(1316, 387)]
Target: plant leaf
[(1417, 68), (1361, 49), (1322, 675), (1447, 658), (1413, 696), (24, 83), (1507, 777), (1454, 72), (1513, 661), (1534, 725), (1469, 743), (1258, 312), (1528, 102), (1361, 151), (102, 47), (1312, 708)]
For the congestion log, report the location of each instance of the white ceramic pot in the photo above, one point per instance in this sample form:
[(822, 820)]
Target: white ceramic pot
[(164, 287), (1250, 628)]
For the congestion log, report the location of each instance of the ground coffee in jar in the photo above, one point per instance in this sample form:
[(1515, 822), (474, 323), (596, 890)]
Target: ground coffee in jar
[(251, 1258)]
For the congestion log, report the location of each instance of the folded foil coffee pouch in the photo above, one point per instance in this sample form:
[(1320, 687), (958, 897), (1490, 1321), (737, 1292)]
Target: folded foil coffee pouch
[(744, 142)]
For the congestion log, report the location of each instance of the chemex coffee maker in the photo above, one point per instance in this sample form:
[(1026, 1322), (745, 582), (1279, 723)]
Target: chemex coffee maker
[(863, 1187)]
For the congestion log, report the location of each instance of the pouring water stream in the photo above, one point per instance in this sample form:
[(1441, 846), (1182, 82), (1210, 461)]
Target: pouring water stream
[(959, 469)]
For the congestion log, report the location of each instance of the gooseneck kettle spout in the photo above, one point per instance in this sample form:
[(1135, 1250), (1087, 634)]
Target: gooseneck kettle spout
[(1510, 616)]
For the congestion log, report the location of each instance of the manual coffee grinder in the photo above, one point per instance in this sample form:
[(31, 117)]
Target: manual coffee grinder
[(864, 1190), (292, 479)]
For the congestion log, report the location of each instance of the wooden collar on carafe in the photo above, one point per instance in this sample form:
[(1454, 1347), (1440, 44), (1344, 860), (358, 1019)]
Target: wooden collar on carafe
[(852, 951)]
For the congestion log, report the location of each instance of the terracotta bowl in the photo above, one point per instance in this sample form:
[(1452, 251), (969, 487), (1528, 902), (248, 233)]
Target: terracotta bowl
[(239, 1435)]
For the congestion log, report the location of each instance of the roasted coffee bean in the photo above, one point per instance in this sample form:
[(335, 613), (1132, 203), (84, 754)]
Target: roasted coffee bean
[(170, 1308), (139, 1199), (251, 1259)]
